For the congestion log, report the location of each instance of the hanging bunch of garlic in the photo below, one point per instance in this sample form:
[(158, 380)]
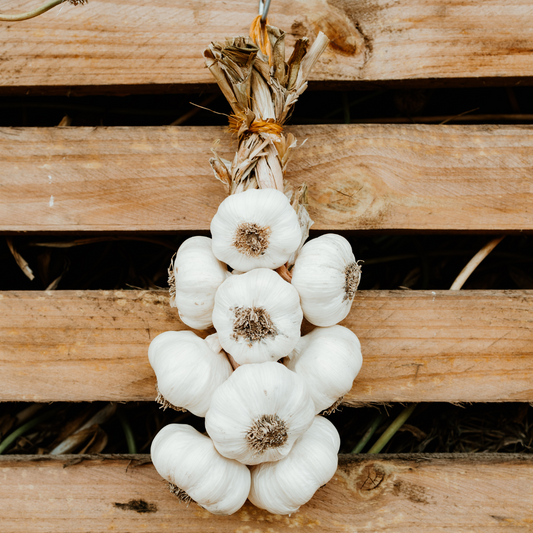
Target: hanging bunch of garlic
[(259, 384)]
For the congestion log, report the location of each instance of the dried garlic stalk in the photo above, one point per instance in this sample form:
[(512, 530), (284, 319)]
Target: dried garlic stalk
[(262, 89)]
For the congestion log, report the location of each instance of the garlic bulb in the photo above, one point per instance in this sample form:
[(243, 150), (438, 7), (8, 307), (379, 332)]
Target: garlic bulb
[(326, 275), (197, 275), (188, 369), (196, 471), (257, 316), (258, 413), (282, 487), (255, 228), (328, 359)]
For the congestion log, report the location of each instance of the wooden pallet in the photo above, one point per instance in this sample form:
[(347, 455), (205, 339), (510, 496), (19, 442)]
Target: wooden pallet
[(470, 346)]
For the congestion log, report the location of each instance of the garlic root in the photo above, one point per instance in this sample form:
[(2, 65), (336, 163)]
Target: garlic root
[(160, 399), (182, 496), (333, 408)]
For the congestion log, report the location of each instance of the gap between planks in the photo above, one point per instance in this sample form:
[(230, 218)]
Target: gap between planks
[(120, 47), (398, 493), (418, 346), (361, 177)]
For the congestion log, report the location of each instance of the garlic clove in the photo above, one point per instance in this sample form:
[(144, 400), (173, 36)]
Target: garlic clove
[(254, 229), (189, 461), (197, 275), (328, 359), (326, 275), (188, 370), (258, 413), (257, 316), (284, 486)]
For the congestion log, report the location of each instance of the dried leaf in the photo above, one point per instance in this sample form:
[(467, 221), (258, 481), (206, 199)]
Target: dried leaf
[(7, 422), (65, 121), (262, 105), (88, 429), (73, 425), (277, 43), (300, 203), (28, 412), (221, 168), (97, 443), (300, 49), (55, 283), (221, 80), (312, 56), (20, 261), (418, 434)]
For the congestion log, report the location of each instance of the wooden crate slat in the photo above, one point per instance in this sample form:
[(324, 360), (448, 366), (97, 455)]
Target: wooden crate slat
[(404, 493), (114, 46), (411, 177), (460, 346)]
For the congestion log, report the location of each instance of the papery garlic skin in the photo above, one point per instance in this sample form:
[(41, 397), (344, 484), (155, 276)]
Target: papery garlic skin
[(328, 359), (188, 370), (326, 276), (254, 229), (197, 274), (257, 316), (258, 413), (188, 459), (284, 486)]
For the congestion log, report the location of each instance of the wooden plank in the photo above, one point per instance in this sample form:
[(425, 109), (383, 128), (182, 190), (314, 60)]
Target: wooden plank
[(460, 346), (401, 494), (409, 177), (127, 46)]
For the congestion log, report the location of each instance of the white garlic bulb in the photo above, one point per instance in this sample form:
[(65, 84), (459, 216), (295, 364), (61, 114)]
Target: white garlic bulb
[(258, 413), (188, 369), (257, 316), (326, 275), (196, 471), (328, 359), (282, 487), (255, 228), (197, 275)]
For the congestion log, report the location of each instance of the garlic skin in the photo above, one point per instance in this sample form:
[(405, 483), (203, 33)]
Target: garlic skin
[(258, 413), (188, 369), (326, 275), (188, 459), (328, 359), (254, 229), (282, 487), (257, 316), (197, 274)]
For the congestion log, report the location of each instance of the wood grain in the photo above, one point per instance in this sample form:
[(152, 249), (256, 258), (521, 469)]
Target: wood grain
[(129, 45), (401, 178), (458, 346), (403, 494)]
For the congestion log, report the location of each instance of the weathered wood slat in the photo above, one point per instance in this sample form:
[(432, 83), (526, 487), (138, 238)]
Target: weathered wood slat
[(402, 493), (460, 346), (128, 45), (414, 177)]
